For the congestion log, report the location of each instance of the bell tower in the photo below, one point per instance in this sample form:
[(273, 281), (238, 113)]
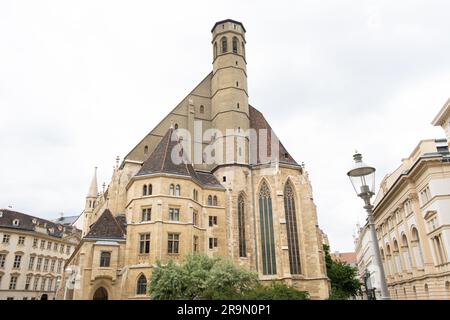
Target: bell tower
[(229, 94)]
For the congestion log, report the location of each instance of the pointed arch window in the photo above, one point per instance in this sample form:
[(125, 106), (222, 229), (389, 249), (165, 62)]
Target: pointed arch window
[(241, 226), (267, 234), (215, 50), (224, 44), (292, 229), (141, 285), (235, 45)]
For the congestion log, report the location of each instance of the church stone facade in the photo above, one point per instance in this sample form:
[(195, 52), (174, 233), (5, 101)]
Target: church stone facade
[(211, 178)]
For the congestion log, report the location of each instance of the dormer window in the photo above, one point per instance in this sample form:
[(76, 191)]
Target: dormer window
[(16, 222)]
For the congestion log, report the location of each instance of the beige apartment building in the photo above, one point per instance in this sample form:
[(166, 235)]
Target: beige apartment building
[(32, 255), (206, 179), (413, 224)]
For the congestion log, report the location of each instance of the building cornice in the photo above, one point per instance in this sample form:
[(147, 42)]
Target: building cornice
[(442, 115)]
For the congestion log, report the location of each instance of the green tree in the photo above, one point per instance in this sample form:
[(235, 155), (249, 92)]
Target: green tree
[(201, 277), (343, 277)]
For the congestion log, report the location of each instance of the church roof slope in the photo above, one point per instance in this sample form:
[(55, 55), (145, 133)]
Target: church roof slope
[(259, 122), (108, 227)]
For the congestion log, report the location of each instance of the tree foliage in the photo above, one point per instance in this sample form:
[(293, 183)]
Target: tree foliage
[(201, 277), (343, 277)]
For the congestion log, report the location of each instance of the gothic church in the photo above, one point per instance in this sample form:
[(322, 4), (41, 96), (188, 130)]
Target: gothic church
[(203, 180)]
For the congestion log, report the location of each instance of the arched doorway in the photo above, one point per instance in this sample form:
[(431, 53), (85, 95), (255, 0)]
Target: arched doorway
[(44, 297), (100, 294)]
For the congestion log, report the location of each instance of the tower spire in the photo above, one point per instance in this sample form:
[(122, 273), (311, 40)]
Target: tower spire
[(93, 190)]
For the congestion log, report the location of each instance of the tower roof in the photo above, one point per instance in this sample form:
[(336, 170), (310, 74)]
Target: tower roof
[(108, 227), (93, 190), (160, 161), (228, 20)]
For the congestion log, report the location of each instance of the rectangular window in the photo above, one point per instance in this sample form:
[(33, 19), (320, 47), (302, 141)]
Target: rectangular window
[(146, 214), (44, 280), (50, 283), (36, 283), (6, 238), (13, 283), (49, 245), (27, 283), (212, 221), (2, 260), (174, 214), (17, 260), (55, 246), (173, 243), (38, 264), (105, 258), (195, 218), (45, 265), (59, 266), (21, 240), (212, 243), (31, 263), (195, 244), (35, 241), (52, 266), (42, 244), (61, 248), (144, 243), (68, 249)]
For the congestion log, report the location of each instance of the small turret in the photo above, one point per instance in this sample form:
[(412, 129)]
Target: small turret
[(91, 197)]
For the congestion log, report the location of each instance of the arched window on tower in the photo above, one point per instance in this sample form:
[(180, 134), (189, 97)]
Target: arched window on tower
[(178, 190), (209, 200), (144, 190), (266, 230), (235, 45), (241, 226), (172, 190), (145, 149), (292, 229), (141, 287), (202, 109), (215, 50), (243, 49), (150, 190), (215, 201), (224, 44)]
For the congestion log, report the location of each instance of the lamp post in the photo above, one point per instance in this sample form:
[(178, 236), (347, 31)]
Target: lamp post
[(362, 178)]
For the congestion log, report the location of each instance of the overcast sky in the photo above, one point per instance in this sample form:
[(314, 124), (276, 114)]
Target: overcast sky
[(82, 82)]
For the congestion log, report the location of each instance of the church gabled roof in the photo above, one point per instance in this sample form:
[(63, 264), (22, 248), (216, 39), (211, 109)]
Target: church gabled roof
[(108, 227), (258, 122), (169, 157)]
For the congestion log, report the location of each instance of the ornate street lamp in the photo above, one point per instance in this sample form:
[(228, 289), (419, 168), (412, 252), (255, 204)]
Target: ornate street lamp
[(362, 178)]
